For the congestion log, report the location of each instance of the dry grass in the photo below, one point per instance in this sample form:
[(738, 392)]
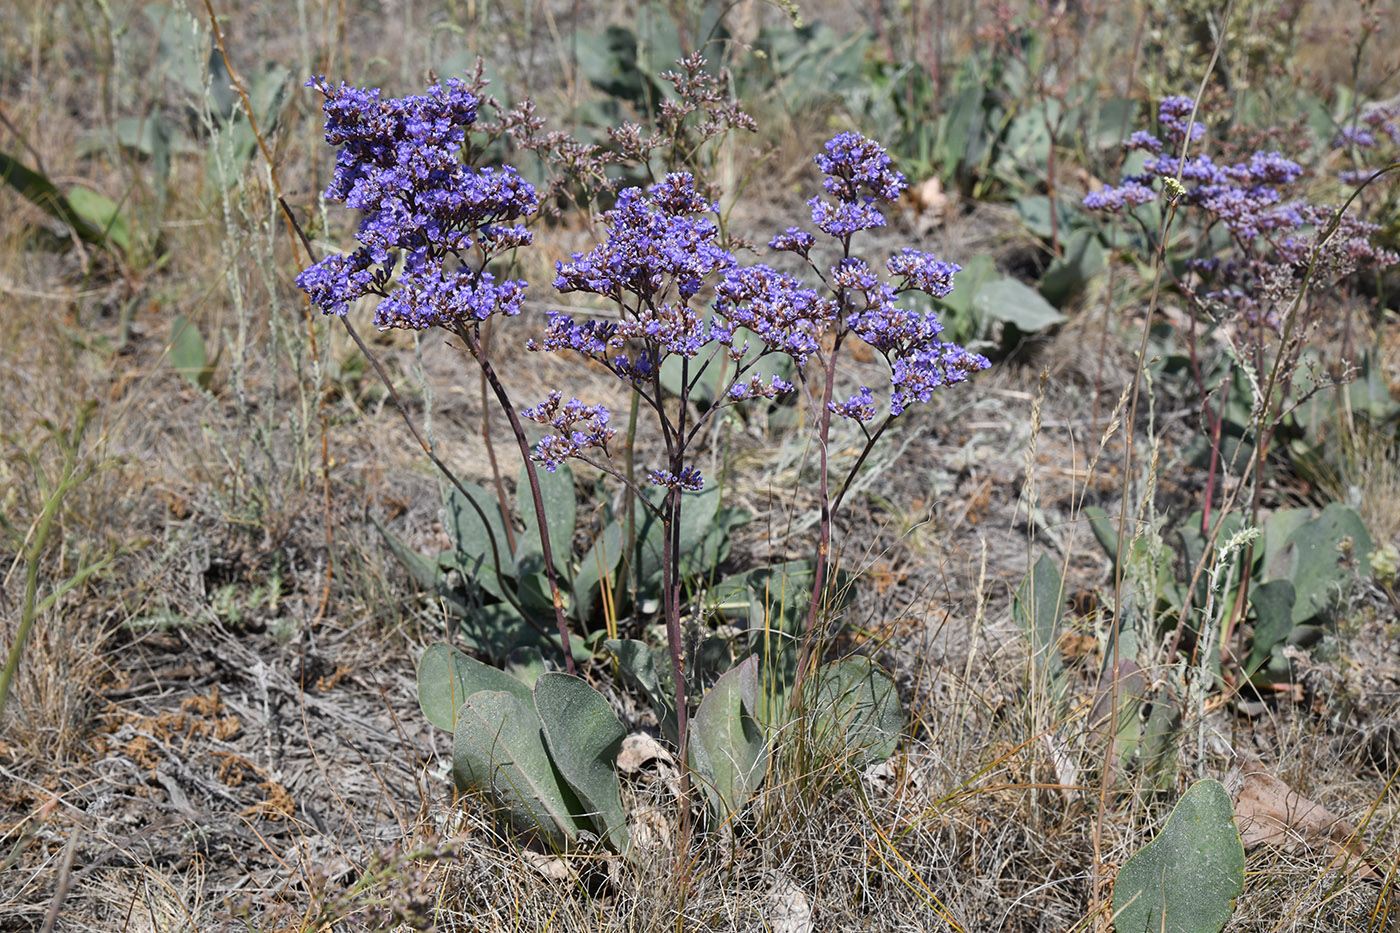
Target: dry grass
[(220, 729)]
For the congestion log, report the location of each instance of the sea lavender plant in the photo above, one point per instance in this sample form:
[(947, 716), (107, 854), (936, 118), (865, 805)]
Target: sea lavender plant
[(1277, 248), (1271, 238), (660, 254), (431, 225)]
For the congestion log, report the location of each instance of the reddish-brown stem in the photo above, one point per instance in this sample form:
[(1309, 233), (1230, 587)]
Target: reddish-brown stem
[(486, 440), (474, 345), (670, 576), (1214, 456), (824, 540)]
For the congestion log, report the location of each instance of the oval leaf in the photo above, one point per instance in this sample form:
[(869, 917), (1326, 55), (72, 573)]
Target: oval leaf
[(855, 713), (498, 747), (1186, 880), (1015, 303), (447, 678), (727, 749), (583, 736)]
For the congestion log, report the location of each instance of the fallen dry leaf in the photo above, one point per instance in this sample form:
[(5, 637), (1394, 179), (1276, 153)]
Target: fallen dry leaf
[(931, 204), (788, 909), (649, 831), (1269, 811), (640, 749), (550, 866)]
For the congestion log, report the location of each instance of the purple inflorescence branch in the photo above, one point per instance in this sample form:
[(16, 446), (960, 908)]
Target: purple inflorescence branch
[(1363, 139), (661, 252), (1272, 238), (581, 428), (400, 162)]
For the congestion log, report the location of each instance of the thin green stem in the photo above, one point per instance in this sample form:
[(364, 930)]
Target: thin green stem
[(32, 554)]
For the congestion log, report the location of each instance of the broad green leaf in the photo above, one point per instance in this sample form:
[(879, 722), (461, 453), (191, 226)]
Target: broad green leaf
[(526, 664), (1037, 608), (1278, 528), (1013, 302), (976, 272), (698, 511), (1084, 257), (650, 669), (187, 352), (475, 555), (1326, 556), (1186, 880), (1105, 531), (495, 630), (583, 736), (1273, 620), (102, 212), (447, 678), (854, 713), (499, 746), (727, 749), (41, 192), (560, 512)]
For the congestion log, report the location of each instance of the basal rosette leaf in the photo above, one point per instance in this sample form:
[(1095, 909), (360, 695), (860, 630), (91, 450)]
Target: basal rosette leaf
[(1186, 880), (498, 746), (583, 736), (727, 748), (447, 678)]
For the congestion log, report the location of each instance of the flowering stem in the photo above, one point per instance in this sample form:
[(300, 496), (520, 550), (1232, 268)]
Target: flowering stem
[(824, 540), (474, 345), (855, 468), (490, 447), (629, 508), (1264, 425), (671, 584)]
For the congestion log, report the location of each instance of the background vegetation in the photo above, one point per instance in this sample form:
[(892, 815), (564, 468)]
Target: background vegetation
[(208, 500)]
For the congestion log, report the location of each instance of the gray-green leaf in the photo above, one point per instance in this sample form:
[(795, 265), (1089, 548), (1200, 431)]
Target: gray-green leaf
[(583, 736), (1186, 880), (447, 678), (727, 749), (855, 713), (498, 746)]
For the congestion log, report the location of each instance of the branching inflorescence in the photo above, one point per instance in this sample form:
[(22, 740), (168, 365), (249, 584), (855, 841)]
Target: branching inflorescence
[(1272, 238), (686, 308), (405, 163), (662, 256)]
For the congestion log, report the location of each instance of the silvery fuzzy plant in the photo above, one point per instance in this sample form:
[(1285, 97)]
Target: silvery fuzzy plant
[(434, 226)]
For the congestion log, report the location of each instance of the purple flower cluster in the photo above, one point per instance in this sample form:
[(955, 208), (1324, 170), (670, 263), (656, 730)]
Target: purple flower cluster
[(400, 163), (1173, 114), (661, 252), (656, 239), (775, 306), (688, 478), (1364, 136), (581, 428), (1243, 196), (1272, 238), (858, 176)]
